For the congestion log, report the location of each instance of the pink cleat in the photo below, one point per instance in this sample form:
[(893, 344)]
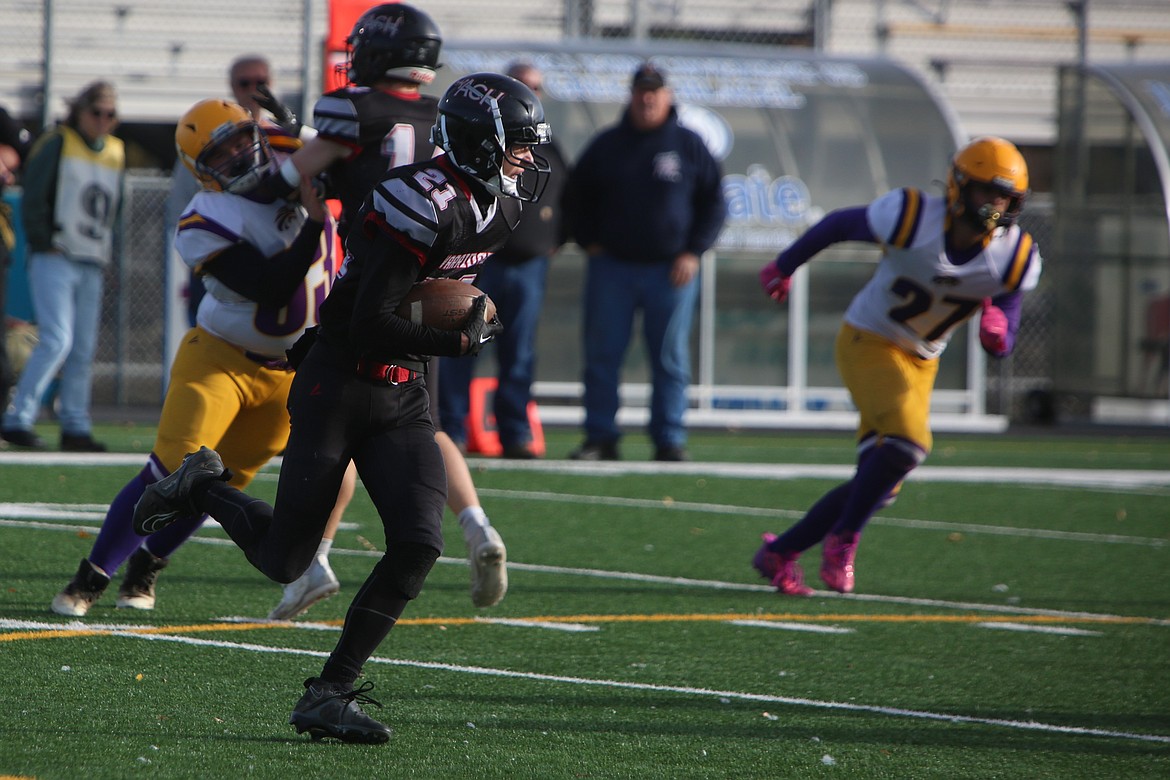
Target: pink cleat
[(781, 569), (837, 561)]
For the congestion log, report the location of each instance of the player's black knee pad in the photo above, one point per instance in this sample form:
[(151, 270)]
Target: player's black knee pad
[(406, 565)]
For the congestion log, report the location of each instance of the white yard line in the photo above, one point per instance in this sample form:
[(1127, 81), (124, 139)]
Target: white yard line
[(1084, 478), (96, 512), (656, 579), (618, 684)]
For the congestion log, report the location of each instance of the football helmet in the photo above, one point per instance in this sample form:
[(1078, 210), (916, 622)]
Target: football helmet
[(482, 118), (993, 161), (393, 40), (222, 145)]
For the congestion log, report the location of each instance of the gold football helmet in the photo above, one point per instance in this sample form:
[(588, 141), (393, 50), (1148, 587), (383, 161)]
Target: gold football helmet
[(222, 145), (990, 161)]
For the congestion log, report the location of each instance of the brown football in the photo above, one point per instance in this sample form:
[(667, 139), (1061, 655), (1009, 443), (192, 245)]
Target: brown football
[(441, 303)]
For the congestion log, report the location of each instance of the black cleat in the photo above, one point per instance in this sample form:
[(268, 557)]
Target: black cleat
[(167, 500), (331, 710), (137, 588)]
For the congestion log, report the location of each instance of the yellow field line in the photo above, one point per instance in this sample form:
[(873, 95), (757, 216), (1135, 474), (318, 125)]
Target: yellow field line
[(658, 618)]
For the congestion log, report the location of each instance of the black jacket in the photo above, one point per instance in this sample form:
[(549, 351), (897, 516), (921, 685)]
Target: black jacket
[(647, 196)]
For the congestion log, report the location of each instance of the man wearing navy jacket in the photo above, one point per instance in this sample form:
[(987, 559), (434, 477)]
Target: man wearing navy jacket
[(645, 202)]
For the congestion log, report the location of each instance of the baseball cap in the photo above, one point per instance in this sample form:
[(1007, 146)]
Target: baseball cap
[(648, 77)]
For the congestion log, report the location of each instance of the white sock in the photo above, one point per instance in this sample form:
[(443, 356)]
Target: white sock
[(473, 518), (324, 547)]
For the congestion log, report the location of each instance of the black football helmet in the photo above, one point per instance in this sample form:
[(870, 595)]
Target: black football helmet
[(393, 40), (482, 118)]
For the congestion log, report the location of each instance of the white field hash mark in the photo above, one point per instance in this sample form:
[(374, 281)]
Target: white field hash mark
[(788, 626), (1062, 630), (616, 684)]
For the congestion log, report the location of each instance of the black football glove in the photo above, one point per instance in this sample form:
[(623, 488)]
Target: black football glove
[(478, 330), (283, 115)]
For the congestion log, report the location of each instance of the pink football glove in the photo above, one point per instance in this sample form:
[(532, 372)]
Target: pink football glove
[(775, 283), (993, 326)]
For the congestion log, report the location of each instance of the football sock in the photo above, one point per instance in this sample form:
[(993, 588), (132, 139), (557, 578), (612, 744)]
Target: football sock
[(171, 538), (116, 540), (815, 523), (875, 484), (472, 518), (396, 579), (245, 519)]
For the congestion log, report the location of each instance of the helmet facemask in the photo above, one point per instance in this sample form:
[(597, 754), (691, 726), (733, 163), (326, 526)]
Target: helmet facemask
[(985, 216), (482, 147), (987, 163), (235, 166)]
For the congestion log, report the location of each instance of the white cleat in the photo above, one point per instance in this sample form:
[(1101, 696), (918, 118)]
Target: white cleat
[(489, 572), (83, 590), (316, 584)]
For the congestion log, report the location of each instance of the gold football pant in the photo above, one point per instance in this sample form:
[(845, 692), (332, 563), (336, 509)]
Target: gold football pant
[(220, 398), (890, 388)]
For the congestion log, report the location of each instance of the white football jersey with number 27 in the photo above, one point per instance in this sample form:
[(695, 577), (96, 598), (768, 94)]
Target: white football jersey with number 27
[(918, 296)]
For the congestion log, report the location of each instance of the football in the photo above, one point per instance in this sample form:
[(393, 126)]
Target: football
[(441, 303)]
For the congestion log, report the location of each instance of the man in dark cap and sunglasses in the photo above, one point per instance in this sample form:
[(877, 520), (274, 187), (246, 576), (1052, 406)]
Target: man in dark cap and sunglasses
[(645, 202)]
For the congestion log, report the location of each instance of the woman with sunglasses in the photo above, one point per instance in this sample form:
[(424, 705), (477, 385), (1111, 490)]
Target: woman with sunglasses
[(73, 182)]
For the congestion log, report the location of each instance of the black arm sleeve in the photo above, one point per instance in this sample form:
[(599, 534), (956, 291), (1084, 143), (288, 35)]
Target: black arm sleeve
[(374, 327), (270, 281)]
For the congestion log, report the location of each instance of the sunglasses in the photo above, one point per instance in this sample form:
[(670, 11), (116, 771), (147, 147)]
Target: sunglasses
[(98, 113), (248, 83)]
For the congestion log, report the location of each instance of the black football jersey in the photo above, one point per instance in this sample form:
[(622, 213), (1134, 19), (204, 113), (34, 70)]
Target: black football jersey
[(425, 220), (383, 130)]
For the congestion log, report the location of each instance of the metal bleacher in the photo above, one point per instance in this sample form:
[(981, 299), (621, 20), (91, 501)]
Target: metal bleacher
[(994, 61)]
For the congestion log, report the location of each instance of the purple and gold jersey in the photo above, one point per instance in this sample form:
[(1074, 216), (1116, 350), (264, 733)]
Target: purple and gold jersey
[(918, 296), (383, 130), (215, 221)]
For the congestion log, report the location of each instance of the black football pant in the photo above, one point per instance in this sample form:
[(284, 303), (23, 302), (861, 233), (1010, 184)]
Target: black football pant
[(387, 431)]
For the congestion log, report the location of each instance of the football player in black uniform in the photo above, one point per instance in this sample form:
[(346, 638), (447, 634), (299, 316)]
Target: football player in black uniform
[(358, 393), (379, 121)]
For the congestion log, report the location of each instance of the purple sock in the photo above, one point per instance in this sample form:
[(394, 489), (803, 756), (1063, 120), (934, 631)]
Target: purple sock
[(816, 522), (879, 473), (117, 541)]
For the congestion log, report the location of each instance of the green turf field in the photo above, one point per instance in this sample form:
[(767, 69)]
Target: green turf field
[(1011, 620)]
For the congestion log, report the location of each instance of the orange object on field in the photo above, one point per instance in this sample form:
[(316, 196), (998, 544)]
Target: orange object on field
[(482, 436)]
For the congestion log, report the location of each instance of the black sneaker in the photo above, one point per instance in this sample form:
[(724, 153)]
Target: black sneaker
[(596, 450), (167, 500), (23, 437), (83, 590), (671, 453), (137, 588), (83, 442), (331, 710), (519, 452)]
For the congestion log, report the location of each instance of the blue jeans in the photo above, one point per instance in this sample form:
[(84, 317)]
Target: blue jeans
[(518, 292), (67, 302), (614, 291)]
